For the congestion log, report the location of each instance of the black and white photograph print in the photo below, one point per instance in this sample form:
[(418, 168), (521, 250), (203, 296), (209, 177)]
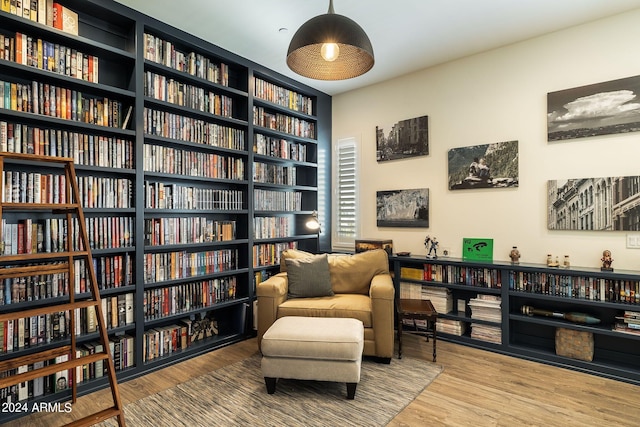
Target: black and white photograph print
[(403, 208), (406, 138), (598, 109), (484, 166), (602, 204)]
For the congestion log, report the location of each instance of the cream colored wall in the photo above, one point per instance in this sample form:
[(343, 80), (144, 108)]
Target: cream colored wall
[(496, 96)]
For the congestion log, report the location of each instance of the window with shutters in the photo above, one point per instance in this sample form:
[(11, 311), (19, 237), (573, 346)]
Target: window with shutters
[(345, 196)]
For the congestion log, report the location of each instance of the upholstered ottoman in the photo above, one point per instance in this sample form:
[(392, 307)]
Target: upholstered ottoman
[(313, 348)]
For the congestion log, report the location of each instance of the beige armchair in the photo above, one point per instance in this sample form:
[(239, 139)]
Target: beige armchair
[(362, 289)]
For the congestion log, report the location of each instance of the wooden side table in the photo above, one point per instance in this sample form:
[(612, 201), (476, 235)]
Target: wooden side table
[(416, 309)]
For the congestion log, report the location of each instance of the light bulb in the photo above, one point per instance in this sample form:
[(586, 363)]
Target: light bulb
[(330, 51)]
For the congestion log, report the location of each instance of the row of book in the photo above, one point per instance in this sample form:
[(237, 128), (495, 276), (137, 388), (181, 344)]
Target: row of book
[(455, 274), (28, 236), (110, 232), (582, 287), (172, 300), (270, 227), (190, 129), (159, 267), (273, 200), (64, 103), (33, 288), (628, 323), (122, 350), (117, 312), (45, 55), (105, 192), (112, 271), (158, 158), (159, 195), (278, 147), (267, 254), (27, 332), (160, 342), (274, 174), (85, 149), (184, 230), (282, 96), (283, 123), (33, 187), (165, 52), (175, 92), (45, 12)]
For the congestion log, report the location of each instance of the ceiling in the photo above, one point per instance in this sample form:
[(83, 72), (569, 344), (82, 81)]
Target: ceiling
[(407, 35)]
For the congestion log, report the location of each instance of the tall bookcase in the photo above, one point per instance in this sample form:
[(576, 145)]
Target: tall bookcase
[(604, 295), (164, 130)]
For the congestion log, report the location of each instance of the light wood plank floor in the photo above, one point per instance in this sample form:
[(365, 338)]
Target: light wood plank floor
[(477, 388)]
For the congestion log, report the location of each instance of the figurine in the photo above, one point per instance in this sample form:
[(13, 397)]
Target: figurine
[(514, 255), (550, 263), (432, 244), (567, 263), (606, 260)]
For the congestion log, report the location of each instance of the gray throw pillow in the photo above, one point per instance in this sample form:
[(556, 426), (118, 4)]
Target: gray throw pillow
[(309, 277)]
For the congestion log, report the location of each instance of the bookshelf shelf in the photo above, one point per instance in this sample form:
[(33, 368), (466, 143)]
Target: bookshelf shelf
[(606, 296), (110, 153)]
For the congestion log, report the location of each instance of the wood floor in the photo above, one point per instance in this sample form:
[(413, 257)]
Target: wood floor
[(477, 388)]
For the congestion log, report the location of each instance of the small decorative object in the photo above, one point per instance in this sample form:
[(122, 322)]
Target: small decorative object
[(574, 344), (514, 255), (567, 264), (363, 245), (571, 317), (551, 263), (404, 254), (606, 260), (432, 245), (549, 260)]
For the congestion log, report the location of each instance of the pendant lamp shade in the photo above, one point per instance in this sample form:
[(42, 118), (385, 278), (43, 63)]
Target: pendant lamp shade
[(330, 47)]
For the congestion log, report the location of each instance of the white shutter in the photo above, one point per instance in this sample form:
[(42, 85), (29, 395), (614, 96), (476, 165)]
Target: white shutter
[(345, 225)]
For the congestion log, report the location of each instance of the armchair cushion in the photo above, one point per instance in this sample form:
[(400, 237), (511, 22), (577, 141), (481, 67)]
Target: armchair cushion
[(309, 277)]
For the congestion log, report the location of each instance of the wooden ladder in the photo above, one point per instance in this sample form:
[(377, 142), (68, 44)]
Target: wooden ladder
[(63, 262)]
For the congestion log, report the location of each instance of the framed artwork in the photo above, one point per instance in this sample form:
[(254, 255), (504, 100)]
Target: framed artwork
[(484, 166), (403, 208), (598, 109), (474, 249), (594, 204), (406, 138)]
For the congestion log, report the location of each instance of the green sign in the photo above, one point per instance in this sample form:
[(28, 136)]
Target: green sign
[(477, 249)]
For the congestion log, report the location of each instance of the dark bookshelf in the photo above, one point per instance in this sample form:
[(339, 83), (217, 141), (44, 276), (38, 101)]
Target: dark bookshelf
[(605, 295), (111, 152)]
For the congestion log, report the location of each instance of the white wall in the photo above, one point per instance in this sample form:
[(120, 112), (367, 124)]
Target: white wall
[(496, 96)]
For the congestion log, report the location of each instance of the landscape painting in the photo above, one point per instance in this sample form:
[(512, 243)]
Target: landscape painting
[(484, 166), (603, 204), (598, 109), (406, 138), (403, 208)]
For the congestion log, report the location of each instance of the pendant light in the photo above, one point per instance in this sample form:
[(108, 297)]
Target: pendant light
[(330, 47)]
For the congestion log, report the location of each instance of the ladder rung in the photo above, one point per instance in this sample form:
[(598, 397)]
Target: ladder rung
[(33, 270), (29, 359), (48, 309), (51, 369), (36, 157), (41, 256), (55, 207), (96, 418)]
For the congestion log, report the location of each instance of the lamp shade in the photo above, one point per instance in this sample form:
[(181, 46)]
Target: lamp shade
[(354, 53)]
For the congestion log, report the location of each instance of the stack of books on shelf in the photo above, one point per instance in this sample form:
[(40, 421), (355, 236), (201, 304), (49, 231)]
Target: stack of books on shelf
[(440, 298), (487, 308), (628, 323), (451, 326), (410, 290)]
